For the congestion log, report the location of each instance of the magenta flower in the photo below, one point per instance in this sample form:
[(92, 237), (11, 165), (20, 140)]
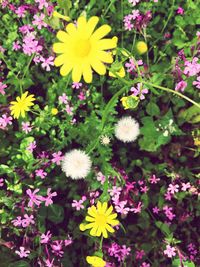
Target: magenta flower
[(101, 178), (156, 210), (139, 91), (57, 248), (31, 45), (45, 238), (120, 207), (180, 11), (181, 86), (139, 254), (115, 191), (192, 68), (81, 96), (68, 241), (26, 127), (42, 174), (25, 29), (168, 212), (39, 21), (34, 199), (138, 209), (47, 62), (49, 263), (170, 251), (57, 157), (131, 66), (144, 264), (197, 83), (2, 88), (22, 252), (48, 200), (21, 11), (69, 109)]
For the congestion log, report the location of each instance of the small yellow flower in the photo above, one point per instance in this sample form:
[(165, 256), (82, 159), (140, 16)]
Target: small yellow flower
[(101, 219), (197, 141), (141, 47), (130, 102), (120, 72), (54, 111), (95, 261), (21, 105), (82, 49)]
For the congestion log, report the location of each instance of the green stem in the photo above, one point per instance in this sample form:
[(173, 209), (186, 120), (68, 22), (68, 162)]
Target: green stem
[(101, 243), (172, 91), (27, 67)]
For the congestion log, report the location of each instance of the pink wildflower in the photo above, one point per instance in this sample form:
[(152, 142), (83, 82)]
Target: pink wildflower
[(139, 91), (26, 127), (180, 11), (57, 248), (39, 21), (34, 199), (16, 46), (17, 221), (197, 83), (138, 209), (134, 2), (76, 85), (120, 207), (2, 87), (31, 45), (173, 188), (192, 68), (57, 157), (181, 86), (78, 204), (22, 252), (42, 3), (101, 178), (44, 239), (27, 220), (69, 109), (68, 241), (48, 200), (139, 254), (41, 173), (31, 146), (170, 251), (115, 191), (20, 11), (5, 120), (185, 186), (47, 62), (49, 263), (63, 99), (81, 96), (131, 66), (156, 210), (153, 179)]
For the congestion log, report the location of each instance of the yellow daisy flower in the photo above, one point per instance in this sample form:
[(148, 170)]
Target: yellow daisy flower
[(21, 105), (101, 219), (95, 261), (82, 49)]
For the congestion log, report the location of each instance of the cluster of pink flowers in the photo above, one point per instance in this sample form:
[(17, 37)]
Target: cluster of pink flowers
[(25, 222), (63, 99), (169, 212), (101, 178), (139, 91), (30, 44), (119, 252), (37, 199), (192, 250), (137, 20), (131, 65)]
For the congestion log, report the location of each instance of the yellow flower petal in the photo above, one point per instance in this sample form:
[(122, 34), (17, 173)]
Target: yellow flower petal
[(99, 67), (63, 36), (101, 32), (65, 69)]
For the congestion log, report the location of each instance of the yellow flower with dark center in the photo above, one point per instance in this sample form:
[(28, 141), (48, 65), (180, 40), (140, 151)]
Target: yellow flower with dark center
[(95, 261), (101, 220), (141, 47), (130, 102), (82, 49), (21, 105)]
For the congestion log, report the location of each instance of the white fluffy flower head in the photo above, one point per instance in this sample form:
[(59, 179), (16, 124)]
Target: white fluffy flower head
[(76, 164), (127, 129)]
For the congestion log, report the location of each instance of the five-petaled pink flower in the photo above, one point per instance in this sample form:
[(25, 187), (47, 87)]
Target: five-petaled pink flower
[(153, 179), (39, 21), (22, 252), (48, 199), (40, 173), (2, 87), (57, 157), (170, 251), (44, 239), (34, 199)]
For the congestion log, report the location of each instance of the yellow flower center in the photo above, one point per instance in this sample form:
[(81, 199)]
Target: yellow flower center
[(82, 48), (101, 219)]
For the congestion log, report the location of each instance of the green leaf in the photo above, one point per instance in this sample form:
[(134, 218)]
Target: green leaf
[(19, 264), (65, 5), (177, 263), (153, 109), (163, 227), (55, 213)]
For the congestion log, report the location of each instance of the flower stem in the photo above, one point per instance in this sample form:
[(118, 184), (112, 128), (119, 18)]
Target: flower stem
[(101, 243)]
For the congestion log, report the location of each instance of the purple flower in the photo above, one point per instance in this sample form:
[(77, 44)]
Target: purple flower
[(16, 46), (139, 91), (44, 239), (20, 11), (27, 220), (153, 179), (42, 3), (78, 204), (5, 120), (41, 173), (31, 146), (57, 157), (76, 85), (17, 221), (47, 62), (180, 11), (30, 44), (173, 188), (192, 68), (26, 127)]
